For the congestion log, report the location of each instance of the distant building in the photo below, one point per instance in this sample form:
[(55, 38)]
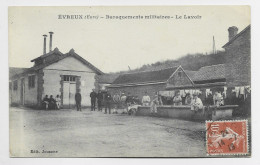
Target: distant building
[(150, 81), (232, 76), (105, 80), (53, 73), (208, 79), (238, 58)]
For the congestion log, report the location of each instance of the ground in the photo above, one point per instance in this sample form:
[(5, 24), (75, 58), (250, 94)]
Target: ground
[(95, 134)]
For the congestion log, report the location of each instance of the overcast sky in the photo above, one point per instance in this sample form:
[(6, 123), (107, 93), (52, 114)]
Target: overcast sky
[(113, 45)]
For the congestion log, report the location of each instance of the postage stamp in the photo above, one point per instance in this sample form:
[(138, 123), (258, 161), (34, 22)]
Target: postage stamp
[(227, 137)]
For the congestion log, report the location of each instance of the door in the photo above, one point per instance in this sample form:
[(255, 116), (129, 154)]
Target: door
[(66, 91), (72, 93), (22, 91), (69, 91)]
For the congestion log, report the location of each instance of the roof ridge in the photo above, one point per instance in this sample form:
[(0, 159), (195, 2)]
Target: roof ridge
[(55, 50), (149, 70), (232, 39), (211, 65), (73, 53), (18, 67)]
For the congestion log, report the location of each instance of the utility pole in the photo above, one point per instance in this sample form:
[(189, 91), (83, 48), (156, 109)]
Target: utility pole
[(214, 46)]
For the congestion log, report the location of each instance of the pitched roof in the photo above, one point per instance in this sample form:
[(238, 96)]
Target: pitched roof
[(14, 71), (107, 78), (236, 36), (145, 77), (71, 53), (190, 73), (213, 72), (55, 51)]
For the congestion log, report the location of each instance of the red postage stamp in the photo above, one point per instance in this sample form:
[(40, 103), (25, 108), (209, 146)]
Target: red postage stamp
[(227, 137)]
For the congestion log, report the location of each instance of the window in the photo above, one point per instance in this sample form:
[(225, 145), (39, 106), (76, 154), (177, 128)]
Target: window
[(15, 85), (69, 78), (31, 80), (179, 73)]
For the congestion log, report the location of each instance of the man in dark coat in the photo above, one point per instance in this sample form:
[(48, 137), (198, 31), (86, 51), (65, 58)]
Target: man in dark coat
[(78, 101), (93, 96), (108, 100), (45, 102), (52, 103), (99, 100)]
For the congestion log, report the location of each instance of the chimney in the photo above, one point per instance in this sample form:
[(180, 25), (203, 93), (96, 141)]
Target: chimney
[(51, 33), (232, 32), (44, 44)]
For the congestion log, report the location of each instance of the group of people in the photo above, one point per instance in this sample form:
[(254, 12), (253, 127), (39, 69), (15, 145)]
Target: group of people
[(195, 102), (216, 99), (123, 101), (99, 97), (93, 97), (49, 103), (116, 101)]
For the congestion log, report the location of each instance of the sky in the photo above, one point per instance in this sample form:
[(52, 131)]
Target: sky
[(111, 44)]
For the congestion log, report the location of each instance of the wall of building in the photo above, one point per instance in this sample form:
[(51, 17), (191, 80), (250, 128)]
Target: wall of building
[(139, 90), (15, 94), (30, 93), (52, 78), (179, 79), (238, 61)]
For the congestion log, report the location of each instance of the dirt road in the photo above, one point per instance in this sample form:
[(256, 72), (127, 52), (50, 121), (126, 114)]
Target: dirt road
[(68, 133)]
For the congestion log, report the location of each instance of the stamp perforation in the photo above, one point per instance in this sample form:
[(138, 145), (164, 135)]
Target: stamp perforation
[(227, 154)]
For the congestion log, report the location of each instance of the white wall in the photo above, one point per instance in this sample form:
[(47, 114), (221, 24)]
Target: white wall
[(68, 66), (30, 94)]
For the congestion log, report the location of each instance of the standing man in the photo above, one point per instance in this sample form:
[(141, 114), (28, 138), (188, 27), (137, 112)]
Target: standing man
[(99, 100), (108, 100), (93, 96), (123, 102), (154, 103), (78, 100), (116, 100), (146, 99)]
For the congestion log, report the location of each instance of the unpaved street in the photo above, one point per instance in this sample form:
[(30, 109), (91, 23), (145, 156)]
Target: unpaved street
[(68, 133)]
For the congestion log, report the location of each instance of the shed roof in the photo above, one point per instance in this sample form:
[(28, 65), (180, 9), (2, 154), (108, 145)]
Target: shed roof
[(14, 71), (107, 78), (146, 77)]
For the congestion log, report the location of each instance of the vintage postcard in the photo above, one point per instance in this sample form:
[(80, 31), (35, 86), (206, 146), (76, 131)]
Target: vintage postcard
[(139, 81)]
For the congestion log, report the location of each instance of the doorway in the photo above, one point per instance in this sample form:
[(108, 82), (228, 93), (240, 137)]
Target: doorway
[(22, 91), (69, 91)]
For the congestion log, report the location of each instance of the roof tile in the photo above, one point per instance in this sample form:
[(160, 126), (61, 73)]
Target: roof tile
[(212, 72), (145, 77)]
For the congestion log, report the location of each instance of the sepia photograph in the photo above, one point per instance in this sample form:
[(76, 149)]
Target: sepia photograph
[(130, 81)]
